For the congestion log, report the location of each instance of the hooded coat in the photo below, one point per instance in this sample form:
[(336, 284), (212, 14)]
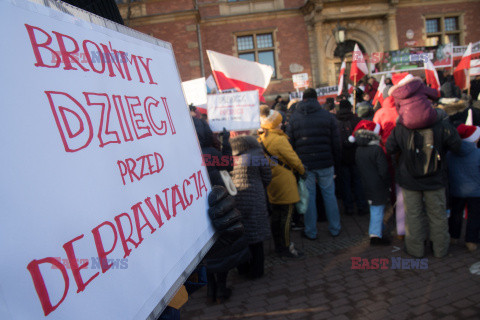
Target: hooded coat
[(283, 187), (464, 171), (251, 175), (457, 110), (223, 256), (386, 117), (414, 108), (314, 135), (210, 153), (373, 167)]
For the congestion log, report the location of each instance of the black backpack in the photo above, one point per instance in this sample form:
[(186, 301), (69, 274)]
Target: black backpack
[(422, 158)]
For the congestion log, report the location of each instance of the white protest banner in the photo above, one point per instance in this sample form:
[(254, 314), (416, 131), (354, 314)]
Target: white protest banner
[(458, 51), (104, 199), (195, 91), (475, 67), (300, 80), (326, 92), (235, 111)]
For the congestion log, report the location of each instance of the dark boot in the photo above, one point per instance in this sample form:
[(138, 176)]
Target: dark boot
[(211, 288), (222, 293)]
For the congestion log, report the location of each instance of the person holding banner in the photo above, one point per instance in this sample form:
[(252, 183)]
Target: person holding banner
[(282, 190), (219, 263)]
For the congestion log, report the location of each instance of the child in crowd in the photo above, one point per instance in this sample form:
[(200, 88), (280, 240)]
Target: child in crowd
[(412, 96), (464, 179), (372, 164)]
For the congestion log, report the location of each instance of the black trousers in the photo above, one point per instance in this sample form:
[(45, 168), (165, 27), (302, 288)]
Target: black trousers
[(254, 268), (473, 218), (280, 224)]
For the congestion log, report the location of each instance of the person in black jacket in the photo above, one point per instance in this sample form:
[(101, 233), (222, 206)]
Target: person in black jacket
[(348, 174), (314, 135), (217, 268), (373, 166), (424, 193)]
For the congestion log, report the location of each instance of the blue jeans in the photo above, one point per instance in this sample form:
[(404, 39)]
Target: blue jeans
[(376, 220), (324, 177)]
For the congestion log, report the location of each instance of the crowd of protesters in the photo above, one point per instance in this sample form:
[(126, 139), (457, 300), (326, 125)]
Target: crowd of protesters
[(411, 159)]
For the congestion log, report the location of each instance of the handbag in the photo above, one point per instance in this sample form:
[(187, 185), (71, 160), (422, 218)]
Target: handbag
[(302, 205)]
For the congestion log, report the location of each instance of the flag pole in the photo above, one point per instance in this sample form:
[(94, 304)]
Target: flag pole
[(354, 92), (468, 81)]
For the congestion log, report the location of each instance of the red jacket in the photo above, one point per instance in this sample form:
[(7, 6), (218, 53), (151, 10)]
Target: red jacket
[(386, 117), (372, 89), (414, 108)]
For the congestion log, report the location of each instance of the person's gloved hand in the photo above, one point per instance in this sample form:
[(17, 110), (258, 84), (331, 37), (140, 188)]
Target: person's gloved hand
[(226, 219), (304, 175), (225, 134)]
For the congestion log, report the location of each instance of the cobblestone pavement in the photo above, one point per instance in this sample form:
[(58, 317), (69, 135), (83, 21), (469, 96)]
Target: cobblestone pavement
[(324, 285)]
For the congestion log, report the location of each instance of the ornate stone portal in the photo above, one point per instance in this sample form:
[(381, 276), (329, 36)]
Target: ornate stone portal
[(373, 26)]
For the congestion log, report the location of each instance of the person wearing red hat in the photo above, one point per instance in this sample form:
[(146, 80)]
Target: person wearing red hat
[(373, 167), (412, 99), (421, 172), (464, 180)]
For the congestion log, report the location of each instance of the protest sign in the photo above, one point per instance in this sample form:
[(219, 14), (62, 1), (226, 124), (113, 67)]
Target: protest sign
[(408, 59), (104, 198), (326, 92), (300, 80), (195, 91), (458, 51), (235, 111), (475, 67)]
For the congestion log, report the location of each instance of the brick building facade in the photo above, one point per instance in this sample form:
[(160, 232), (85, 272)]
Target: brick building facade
[(295, 36)]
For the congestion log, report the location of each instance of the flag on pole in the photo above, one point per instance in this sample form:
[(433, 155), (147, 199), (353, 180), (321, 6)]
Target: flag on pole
[(379, 95), (340, 78), (359, 67), (431, 75), (350, 88), (234, 73), (460, 71)]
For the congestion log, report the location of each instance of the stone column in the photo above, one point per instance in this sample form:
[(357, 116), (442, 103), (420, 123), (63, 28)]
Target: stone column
[(392, 31), (320, 51)]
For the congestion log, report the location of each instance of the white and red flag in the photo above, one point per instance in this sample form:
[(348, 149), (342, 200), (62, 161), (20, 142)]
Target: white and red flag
[(460, 73), (341, 77), (234, 73), (431, 75), (379, 95), (359, 67)]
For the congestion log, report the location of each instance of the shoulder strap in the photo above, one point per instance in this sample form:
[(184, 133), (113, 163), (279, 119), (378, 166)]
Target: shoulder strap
[(278, 161)]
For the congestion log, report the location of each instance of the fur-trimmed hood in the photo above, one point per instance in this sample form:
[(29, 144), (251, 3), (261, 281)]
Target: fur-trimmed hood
[(406, 89), (365, 137), (244, 144), (452, 105)]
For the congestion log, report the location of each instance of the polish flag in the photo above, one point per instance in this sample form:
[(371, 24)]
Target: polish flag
[(340, 78), (379, 95), (460, 71), (359, 67), (431, 75), (234, 73)]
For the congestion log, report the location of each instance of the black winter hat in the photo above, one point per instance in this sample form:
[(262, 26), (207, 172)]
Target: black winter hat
[(345, 105), (309, 94)]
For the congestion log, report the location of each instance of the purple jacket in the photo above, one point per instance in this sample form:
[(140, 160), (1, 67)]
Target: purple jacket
[(414, 108)]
